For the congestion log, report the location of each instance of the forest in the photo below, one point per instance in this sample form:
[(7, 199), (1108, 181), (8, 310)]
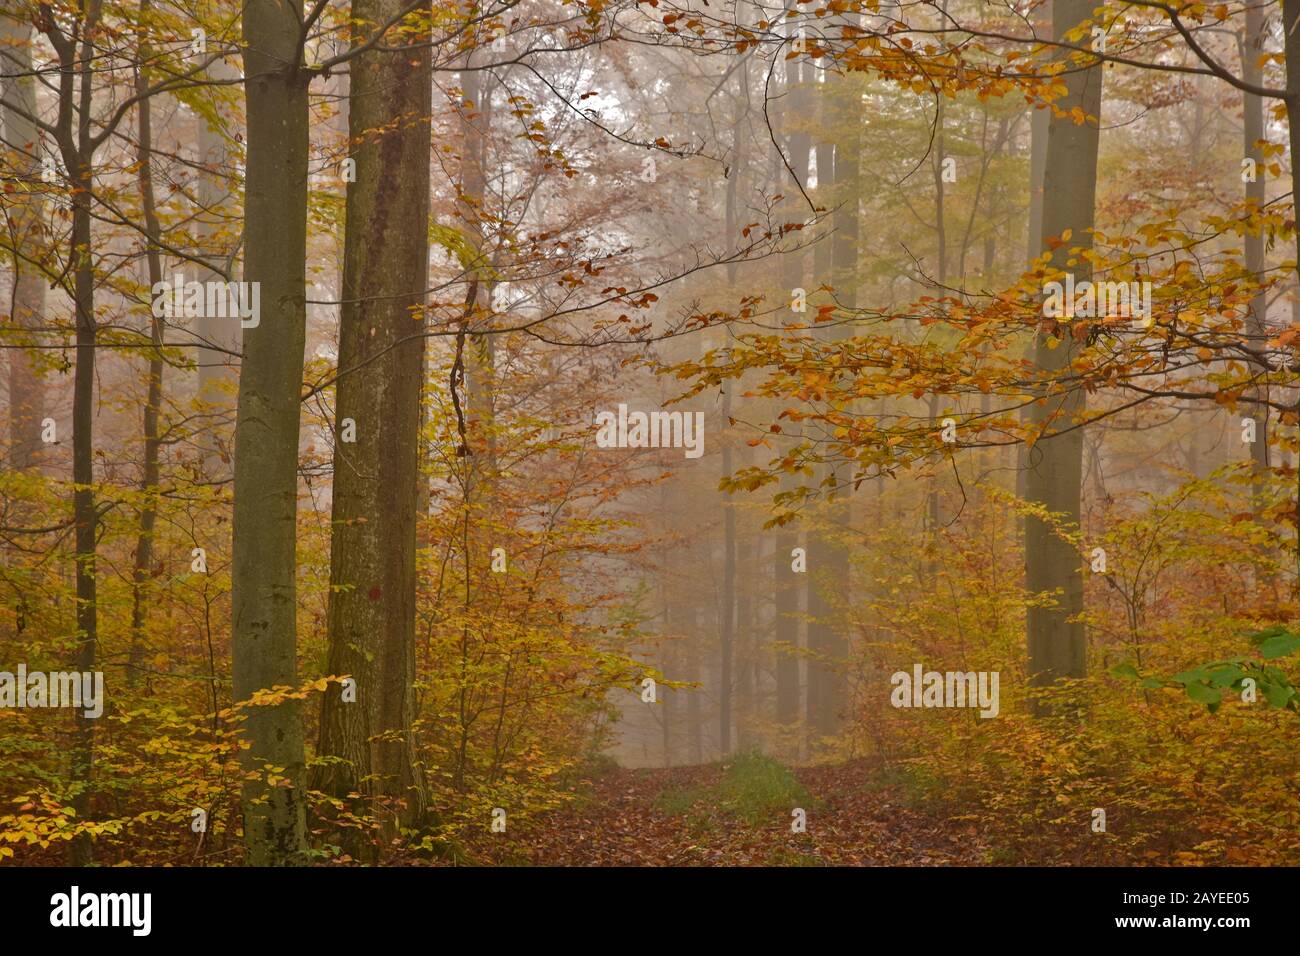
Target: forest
[(649, 432)]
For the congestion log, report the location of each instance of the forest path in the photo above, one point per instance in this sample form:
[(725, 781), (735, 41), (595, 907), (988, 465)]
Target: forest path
[(703, 816)]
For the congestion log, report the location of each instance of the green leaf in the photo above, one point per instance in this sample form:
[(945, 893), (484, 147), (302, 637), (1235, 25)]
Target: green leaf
[(1226, 676), (1258, 637), (1277, 695), (1202, 694), (1279, 645), (1191, 677), (1125, 671)]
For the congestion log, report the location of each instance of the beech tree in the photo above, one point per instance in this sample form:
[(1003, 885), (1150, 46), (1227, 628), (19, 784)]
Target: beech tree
[(1054, 462), (377, 437), (264, 571), (25, 221)]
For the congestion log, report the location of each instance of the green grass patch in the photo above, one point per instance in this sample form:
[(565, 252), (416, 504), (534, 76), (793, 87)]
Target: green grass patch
[(754, 789), (917, 786), (784, 856)]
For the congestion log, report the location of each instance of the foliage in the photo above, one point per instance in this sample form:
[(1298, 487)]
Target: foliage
[(753, 788)]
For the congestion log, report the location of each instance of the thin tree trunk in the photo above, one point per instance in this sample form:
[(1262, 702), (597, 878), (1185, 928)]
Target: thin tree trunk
[(219, 337), (480, 355), (932, 504), (26, 220), (728, 609), (786, 628), (828, 558), (739, 133), (1038, 123), (788, 584), (1252, 133), (746, 652), (153, 399), (78, 158), (1291, 33), (694, 709), (669, 656)]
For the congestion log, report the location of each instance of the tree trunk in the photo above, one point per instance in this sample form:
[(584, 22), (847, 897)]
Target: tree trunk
[(219, 337), (828, 558), (372, 553), (739, 134), (1055, 463), (83, 501), (1252, 133), (1038, 122), (932, 505), (747, 554), (26, 220), (786, 581), (694, 709), (668, 655), (153, 399), (480, 353), (786, 629), (1291, 32), (78, 158), (75, 139), (264, 567), (728, 609)]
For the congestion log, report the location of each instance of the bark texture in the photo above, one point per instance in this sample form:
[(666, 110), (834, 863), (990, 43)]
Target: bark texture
[(1054, 465), (264, 567), (381, 358)]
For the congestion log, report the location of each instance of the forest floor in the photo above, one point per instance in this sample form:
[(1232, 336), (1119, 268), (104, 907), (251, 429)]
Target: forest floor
[(737, 816)]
